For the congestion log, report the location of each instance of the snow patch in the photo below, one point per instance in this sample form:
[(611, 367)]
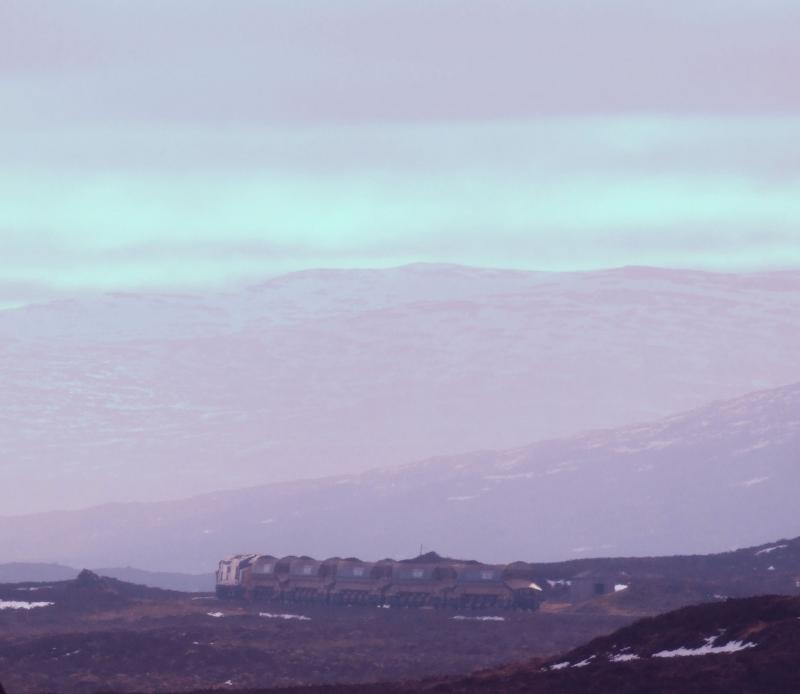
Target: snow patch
[(584, 663), (707, 648), (516, 476), (480, 619), (622, 657), (22, 605), (752, 482), (299, 617), (768, 550), (650, 445), (754, 447), (215, 614)]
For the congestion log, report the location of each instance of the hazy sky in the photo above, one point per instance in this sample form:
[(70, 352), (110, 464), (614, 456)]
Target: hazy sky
[(190, 142)]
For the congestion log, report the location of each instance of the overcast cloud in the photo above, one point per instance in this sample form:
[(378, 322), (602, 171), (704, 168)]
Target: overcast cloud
[(196, 143)]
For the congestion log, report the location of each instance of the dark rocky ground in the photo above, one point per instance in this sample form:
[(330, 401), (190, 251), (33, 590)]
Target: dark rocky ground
[(106, 634), (769, 665)]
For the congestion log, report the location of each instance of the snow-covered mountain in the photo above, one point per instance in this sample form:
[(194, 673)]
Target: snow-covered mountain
[(719, 477), (144, 397)]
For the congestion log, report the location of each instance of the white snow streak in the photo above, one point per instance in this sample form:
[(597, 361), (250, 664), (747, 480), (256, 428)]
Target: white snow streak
[(706, 649), (584, 663), (299, 617), (22, 605), (622, 657), (480, 619), (753, 482)]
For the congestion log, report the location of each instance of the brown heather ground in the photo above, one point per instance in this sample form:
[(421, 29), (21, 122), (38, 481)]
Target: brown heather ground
[(770, 666), (104, 634)]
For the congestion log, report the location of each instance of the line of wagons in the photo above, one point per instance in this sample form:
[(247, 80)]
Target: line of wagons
[(337, 581)]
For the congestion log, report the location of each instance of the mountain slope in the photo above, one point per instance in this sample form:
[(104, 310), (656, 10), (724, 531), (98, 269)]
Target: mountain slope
[(721, 476), (144, 397), (746, 646), (42, 573)]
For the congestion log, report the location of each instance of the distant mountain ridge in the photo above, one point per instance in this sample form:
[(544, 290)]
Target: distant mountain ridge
[(43, 573), (143, 397), (721, 476)]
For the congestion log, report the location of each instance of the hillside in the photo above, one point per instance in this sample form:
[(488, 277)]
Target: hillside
[(744, 646), (125, 397), (87, 592), (93, 634), (721, 476), (42, 573)]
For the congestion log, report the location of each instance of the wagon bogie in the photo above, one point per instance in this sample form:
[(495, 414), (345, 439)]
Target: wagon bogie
[(266, 593)]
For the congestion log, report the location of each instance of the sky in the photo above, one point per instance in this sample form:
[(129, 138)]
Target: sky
[(199, 143)]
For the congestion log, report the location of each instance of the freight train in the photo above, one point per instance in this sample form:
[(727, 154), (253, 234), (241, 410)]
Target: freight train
[(423, 582)]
